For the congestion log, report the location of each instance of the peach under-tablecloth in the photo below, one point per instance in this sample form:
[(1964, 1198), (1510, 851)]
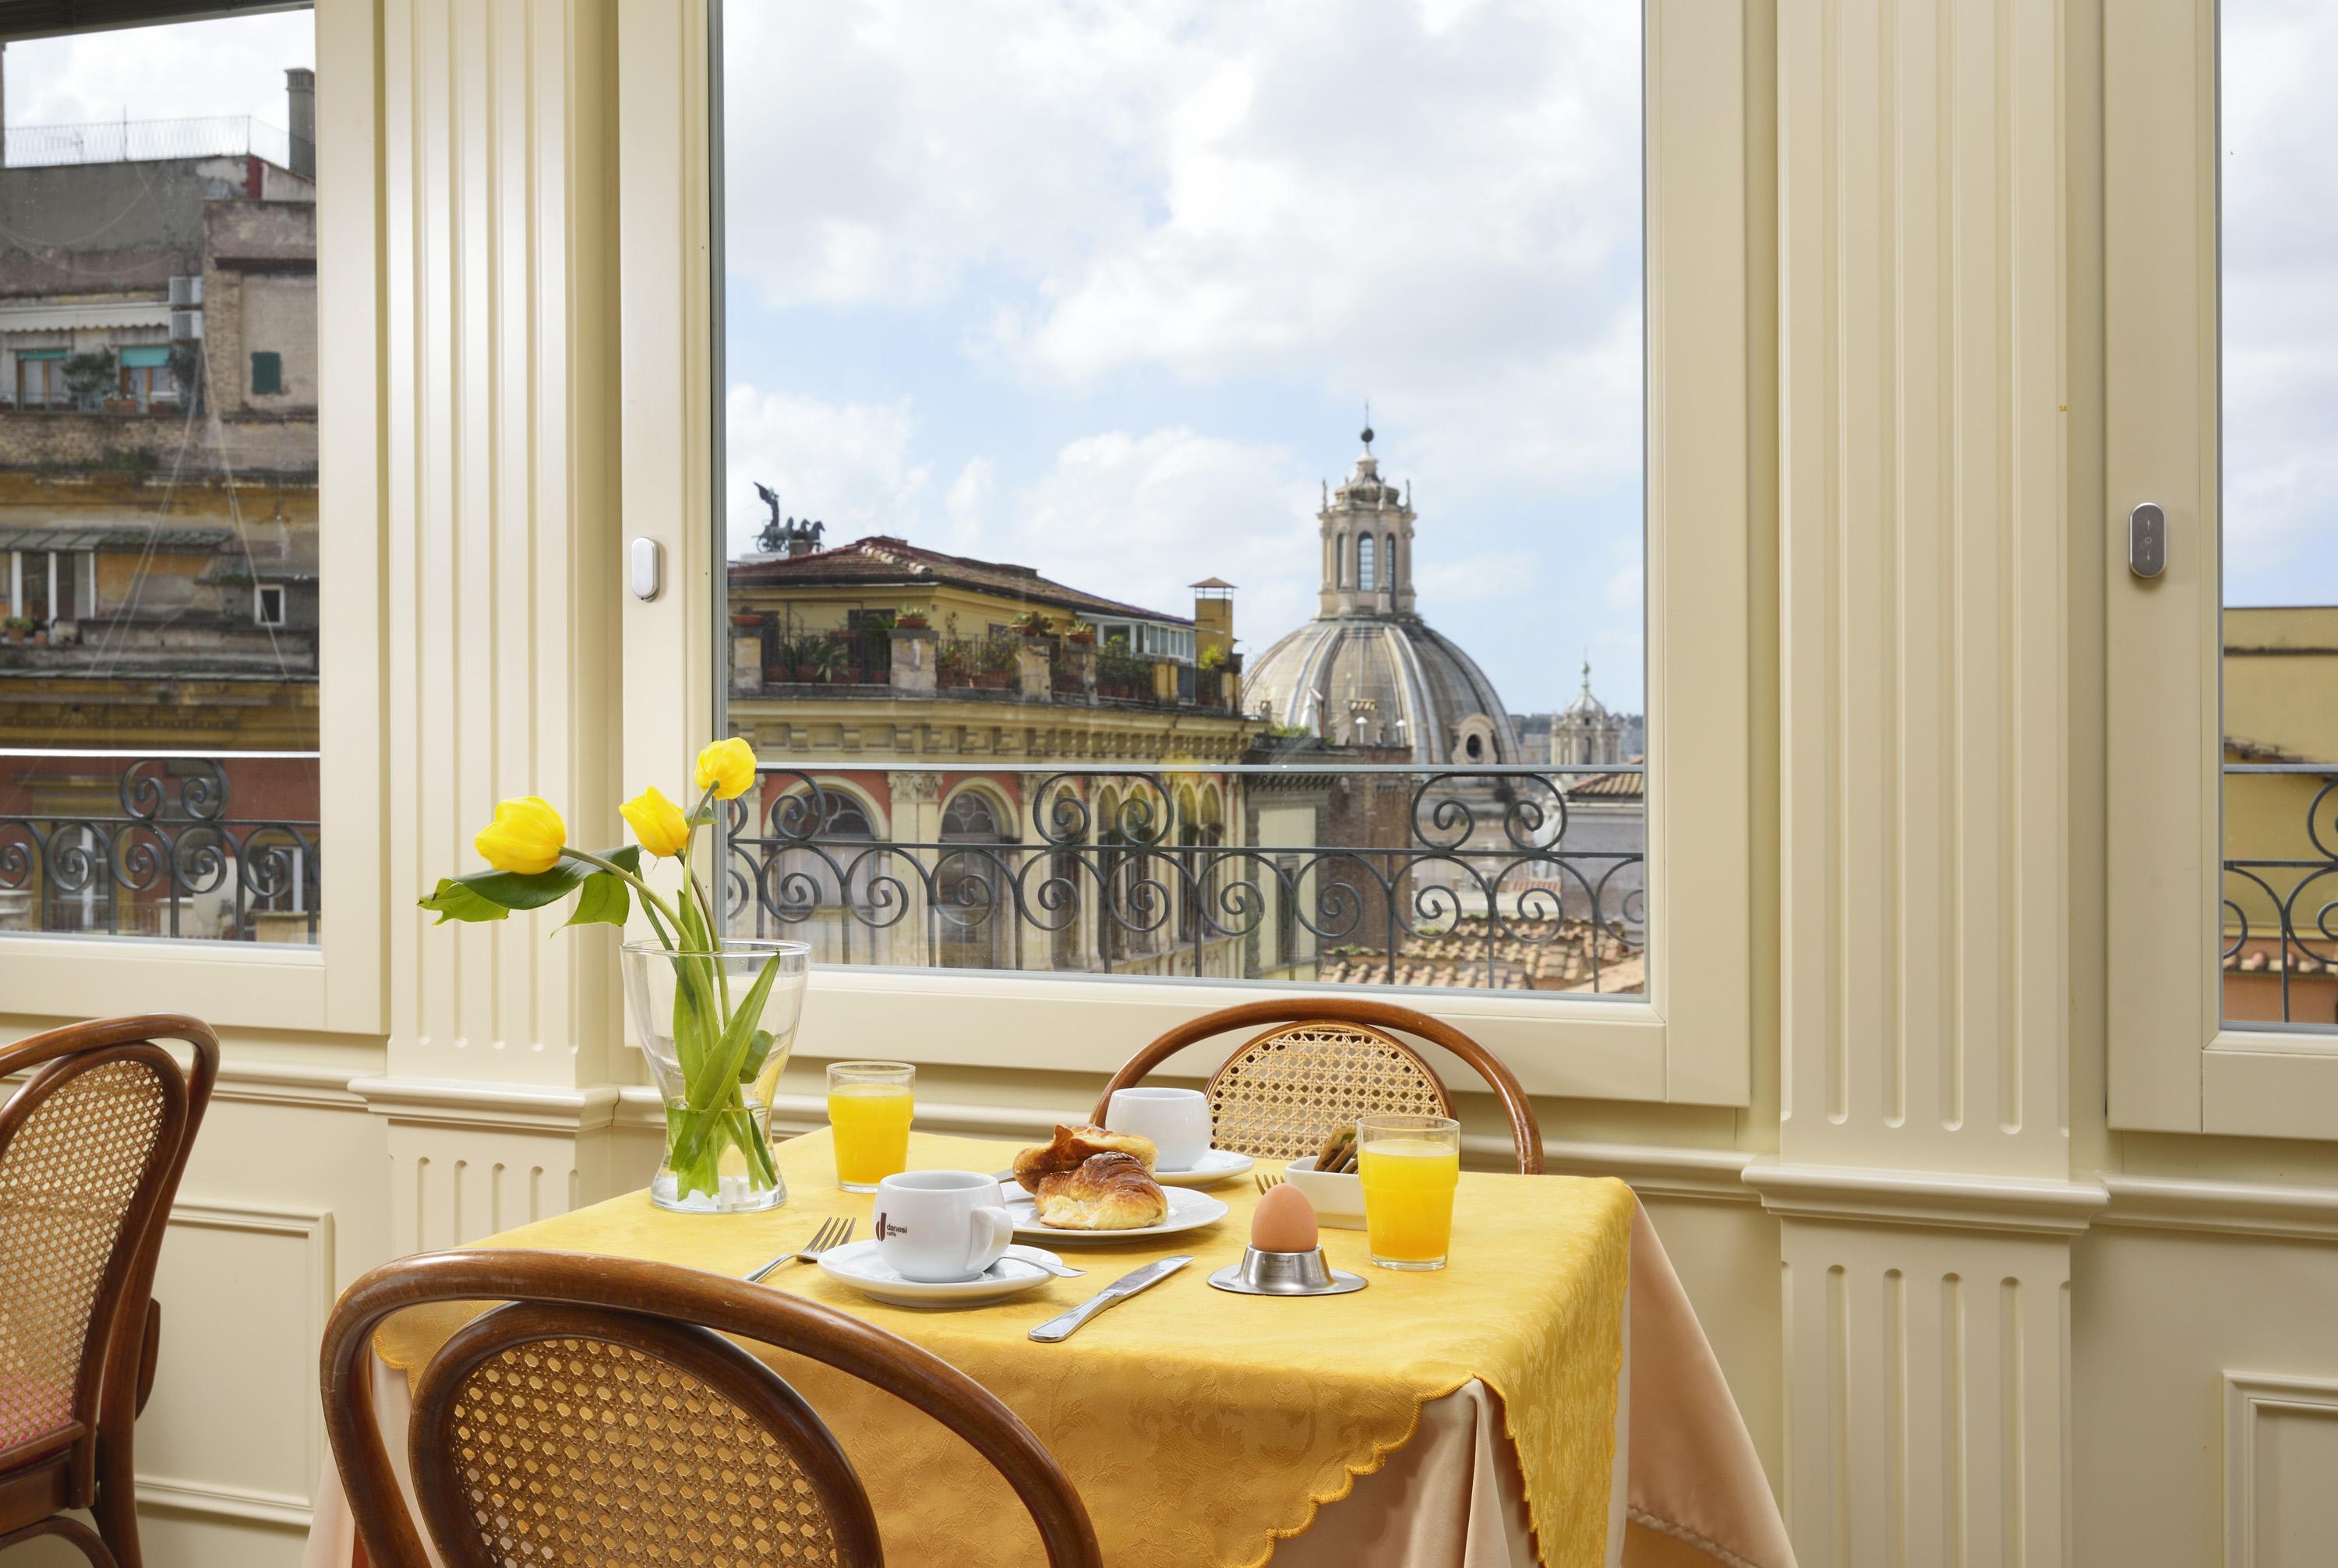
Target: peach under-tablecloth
[(1453, 1495)]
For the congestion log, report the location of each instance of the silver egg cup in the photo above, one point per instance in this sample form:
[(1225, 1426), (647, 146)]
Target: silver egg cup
[(1285, 1274)]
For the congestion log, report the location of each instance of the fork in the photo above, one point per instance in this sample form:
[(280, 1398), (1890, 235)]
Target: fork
[(832, 1232), (1266, 1183)]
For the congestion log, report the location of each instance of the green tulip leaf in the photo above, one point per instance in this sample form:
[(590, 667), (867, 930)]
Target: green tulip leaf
[(490, 895), (603, 901)]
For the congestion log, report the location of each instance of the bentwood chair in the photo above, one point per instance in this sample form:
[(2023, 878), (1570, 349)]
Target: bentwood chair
[(91, 1146), (598, 1419), (1323, 1061)]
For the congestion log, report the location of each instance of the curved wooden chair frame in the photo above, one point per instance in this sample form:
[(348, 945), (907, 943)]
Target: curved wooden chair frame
[(1526, 1133), (88, 1461), (674, 1315)]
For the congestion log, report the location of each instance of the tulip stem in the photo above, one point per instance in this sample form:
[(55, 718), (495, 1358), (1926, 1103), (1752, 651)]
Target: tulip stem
[(705, 908)]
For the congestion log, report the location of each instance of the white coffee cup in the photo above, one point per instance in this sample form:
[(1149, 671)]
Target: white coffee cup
[(1176, 1120), (941, 1226)]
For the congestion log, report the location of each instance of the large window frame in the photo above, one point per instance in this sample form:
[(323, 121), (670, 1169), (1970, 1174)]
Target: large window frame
[(2175, 1064), (336, 988), (1690, 1040)]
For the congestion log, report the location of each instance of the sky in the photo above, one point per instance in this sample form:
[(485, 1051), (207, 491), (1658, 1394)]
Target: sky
[(2280, 282), (1104, 289), (234, 66)]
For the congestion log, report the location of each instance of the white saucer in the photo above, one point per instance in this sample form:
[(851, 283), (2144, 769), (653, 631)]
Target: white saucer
[(1215, 1166), (1188, 1211), (857, 1264)]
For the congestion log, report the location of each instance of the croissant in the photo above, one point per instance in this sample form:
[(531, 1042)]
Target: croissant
[(1073, 1145), (1109, 1191)]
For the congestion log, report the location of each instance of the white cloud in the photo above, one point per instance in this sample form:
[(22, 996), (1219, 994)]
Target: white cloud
[(233, 65), (848, 464), (2280, 285), (1143, 518)]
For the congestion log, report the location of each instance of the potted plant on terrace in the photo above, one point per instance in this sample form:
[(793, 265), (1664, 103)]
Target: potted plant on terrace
[(996, 672), (1081, 634), (716, 1014), (16, 628), (1031, 623), (910, 618)]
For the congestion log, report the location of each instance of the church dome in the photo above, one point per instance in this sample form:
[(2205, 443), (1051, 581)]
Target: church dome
[(1368, 671)]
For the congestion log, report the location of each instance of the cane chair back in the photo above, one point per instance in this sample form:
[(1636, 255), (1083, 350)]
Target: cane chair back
[(1324, 1061), (612, 1440), (601, 1418), (91, 1146), (1280, 1093)]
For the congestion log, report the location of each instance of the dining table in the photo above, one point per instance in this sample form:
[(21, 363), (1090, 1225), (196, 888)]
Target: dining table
[(1548, 1397)]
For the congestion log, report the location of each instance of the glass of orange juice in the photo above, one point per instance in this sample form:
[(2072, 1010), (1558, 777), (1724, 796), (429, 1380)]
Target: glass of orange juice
[(869, 1105), (1410, 1166)]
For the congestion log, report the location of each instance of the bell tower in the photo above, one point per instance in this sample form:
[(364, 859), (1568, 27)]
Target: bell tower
[(1367, 533)]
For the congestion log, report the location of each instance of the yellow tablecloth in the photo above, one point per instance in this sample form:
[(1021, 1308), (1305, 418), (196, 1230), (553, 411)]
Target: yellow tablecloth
[(1198, 1425)]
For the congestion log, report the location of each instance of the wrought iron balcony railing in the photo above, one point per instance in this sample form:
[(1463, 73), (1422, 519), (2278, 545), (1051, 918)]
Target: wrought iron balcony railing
[(2280, 956), (1484, 878), (153, 845)]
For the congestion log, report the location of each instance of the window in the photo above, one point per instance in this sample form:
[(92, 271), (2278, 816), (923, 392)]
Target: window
[(2224, 749), (40, 378), (146, 379), (954, 387), (1121, 475), (166, 609)]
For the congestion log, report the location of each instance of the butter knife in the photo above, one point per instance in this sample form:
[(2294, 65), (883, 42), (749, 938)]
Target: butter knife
[(1056, 1329)]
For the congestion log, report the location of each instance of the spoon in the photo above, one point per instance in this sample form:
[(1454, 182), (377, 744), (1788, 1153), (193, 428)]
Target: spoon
[(1057, 1270)]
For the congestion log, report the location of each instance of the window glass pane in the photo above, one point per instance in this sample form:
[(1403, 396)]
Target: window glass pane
[(158, 674), (2279, 280), (1181, 483)]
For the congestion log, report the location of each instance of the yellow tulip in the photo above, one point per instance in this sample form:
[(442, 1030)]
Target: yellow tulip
[(657, 822), (525, 837), (727, 767)]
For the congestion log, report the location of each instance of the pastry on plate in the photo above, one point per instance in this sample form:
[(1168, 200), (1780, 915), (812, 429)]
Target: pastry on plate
[(1073, 1145), (1109, 1191)]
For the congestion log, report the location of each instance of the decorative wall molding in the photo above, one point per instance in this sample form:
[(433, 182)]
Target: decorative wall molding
[(1926, 1198), (242, 1082), (488, 1106), (2234, 1207), (2248, 1396), (313, 1229)]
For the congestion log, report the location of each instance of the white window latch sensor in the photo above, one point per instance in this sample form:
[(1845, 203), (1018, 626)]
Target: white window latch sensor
[(649, 568)]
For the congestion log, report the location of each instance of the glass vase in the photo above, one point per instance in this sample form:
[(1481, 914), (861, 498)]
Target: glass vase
[(717, 1026)]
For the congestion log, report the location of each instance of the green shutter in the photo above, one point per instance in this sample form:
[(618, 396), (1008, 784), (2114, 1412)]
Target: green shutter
[(40, 353), (142, 358), (267, 373)]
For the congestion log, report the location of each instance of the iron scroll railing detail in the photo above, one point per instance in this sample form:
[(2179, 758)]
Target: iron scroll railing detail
[(1115, 864), (173, 844), (2281, 912)]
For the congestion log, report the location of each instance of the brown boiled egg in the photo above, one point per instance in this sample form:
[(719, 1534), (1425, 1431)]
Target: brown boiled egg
[(1284, 1222)]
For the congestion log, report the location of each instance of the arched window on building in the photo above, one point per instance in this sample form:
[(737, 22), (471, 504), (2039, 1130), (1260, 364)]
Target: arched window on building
[(974, 892), (1364, 562), (814, 891), (1388, 562)]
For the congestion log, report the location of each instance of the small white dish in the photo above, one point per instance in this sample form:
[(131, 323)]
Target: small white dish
[(859, 1265), (1337, 1196), (1188, 1211), (1214, 1166)]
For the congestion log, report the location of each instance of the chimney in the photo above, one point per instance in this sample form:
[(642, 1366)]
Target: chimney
[(301, 94), (1213, 616)]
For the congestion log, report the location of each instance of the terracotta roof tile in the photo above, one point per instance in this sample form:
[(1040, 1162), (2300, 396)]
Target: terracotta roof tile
[(898, 566)]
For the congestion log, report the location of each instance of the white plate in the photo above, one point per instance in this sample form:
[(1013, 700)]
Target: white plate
[(857, 1264), (1217, 1165), (1188, 1211)]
